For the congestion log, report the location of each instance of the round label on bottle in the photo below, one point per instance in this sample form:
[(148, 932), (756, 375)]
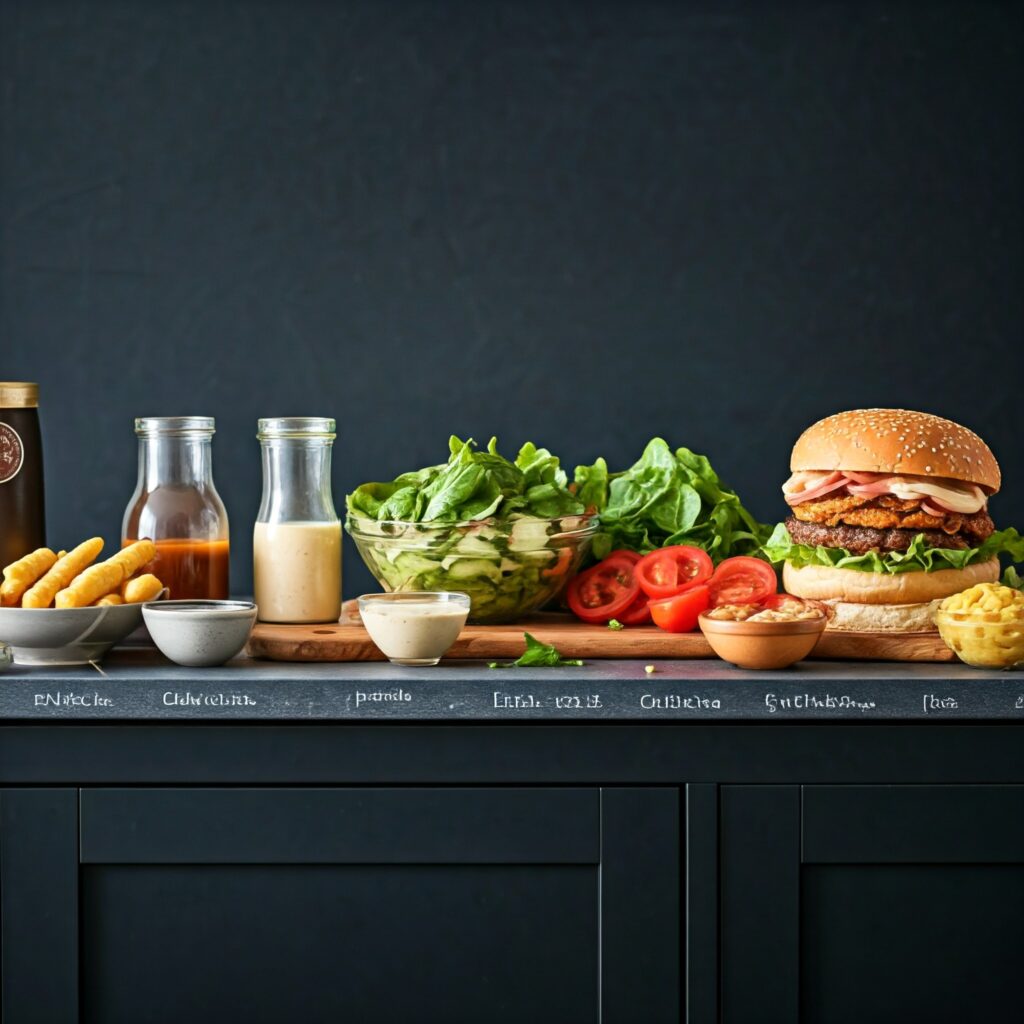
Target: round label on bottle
[(12, 453)]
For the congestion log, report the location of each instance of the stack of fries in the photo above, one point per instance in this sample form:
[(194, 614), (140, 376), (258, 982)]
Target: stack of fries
[(70, 579)]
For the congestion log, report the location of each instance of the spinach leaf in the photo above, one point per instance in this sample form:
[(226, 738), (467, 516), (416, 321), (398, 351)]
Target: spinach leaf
[(472, 485), (537, 655), (401, 504), (667, 497)]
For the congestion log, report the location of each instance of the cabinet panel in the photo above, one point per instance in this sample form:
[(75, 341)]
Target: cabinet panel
[(38, 905), (639, 897), (339, 826), (912, 903), (913, 824), (701, 904), (458, 904), (896, 943), (760, 904), (369, 943), (844, 904), (265, 905)]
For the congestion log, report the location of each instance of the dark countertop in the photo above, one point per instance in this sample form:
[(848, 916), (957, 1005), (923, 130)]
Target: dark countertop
[(136, 683)]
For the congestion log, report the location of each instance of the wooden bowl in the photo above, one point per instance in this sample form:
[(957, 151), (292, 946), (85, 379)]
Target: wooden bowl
[(762, 645)]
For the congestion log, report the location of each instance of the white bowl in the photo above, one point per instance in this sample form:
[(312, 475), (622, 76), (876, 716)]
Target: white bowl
[(199, 634), (66, 636)]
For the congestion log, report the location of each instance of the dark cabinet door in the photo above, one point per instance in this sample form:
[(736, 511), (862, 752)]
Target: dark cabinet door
[(845, 904), (363, 905)]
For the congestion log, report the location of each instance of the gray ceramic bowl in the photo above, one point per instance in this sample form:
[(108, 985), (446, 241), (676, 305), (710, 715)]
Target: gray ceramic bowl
[(199, 634), (66, 636)]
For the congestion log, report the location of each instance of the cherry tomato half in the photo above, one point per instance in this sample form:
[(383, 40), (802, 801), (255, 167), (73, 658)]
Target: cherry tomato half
[(637, 613), (678, 614), (742, 580), (603, 591), (669, 570)]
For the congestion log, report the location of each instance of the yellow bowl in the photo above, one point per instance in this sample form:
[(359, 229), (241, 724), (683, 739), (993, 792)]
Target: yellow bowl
[(982, 639)]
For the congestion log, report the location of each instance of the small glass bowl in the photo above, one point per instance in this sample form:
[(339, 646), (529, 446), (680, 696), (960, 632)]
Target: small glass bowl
[(414, 627), (981, 639)]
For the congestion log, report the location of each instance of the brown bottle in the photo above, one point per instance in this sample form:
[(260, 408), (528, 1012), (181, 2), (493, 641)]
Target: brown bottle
[(22, 520)]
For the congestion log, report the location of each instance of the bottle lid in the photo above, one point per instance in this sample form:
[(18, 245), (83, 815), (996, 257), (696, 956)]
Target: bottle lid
[(174, 426), (18, 394), (296, 427)]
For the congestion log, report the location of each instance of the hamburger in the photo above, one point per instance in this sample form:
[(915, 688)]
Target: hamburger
[(888, 516)]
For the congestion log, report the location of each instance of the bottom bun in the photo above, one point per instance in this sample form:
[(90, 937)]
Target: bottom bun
[(825, 583), (885, 618)]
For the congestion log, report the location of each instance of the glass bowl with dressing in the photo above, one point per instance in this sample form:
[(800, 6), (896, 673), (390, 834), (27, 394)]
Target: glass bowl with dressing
[(414, 627)]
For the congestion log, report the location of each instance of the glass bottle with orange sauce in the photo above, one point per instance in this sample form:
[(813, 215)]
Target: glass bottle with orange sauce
[(176, 505)]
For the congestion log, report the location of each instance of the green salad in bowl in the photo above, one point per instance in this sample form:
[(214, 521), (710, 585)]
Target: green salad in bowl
[(508, 534)]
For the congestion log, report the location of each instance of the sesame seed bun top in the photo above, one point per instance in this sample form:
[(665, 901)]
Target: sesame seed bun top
[(896, 441)]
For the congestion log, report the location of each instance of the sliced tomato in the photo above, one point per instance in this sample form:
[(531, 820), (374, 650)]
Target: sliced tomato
[(742, 580), (669, 570), (637, 613), (603, 591), (678, 614), (633, 556)]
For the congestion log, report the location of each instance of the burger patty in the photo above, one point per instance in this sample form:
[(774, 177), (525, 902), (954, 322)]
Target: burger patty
[(887, 512), (860, 539)]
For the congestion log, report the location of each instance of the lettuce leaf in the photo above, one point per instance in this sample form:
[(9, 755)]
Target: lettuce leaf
[(919, 557), (592, 484), (667, 497), (1012, 578)]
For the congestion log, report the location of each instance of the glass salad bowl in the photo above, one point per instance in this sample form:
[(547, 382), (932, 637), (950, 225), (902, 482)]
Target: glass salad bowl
[(508, 567)]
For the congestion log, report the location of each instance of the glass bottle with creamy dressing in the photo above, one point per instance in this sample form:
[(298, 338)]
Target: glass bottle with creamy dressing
[(297, 538)]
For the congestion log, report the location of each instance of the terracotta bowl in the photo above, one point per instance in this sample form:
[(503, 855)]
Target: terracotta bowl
[(762, 645)]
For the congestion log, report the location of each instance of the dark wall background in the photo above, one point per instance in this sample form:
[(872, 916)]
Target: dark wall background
[(578, 223)]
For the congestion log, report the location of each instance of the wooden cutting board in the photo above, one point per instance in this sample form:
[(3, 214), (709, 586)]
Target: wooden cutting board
[(348, 641)]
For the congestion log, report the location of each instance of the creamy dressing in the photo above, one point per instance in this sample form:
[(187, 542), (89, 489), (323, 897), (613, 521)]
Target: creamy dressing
[(413, 631), (297, 571)]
